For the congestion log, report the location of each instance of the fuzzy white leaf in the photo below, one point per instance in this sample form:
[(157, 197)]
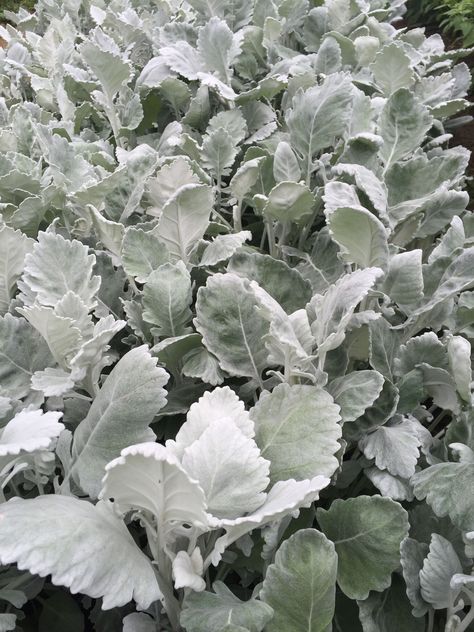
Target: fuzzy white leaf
[(82, 546)]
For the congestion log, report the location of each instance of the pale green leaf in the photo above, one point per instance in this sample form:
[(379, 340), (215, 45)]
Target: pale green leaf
[(245, 177), (218, 48), (368, 183), (333, 311), (329, 58), (297, 429), (230, 326), (355, 392), (459, 356), (412, 555), (449, 490), (188, 570), (53, 382), (394, 446), (221, 403), (404, 122), (109, 233), (361, 237), (14, 246), (392, 69), (142, 253), (182, 58), (210, 612), (285, 164), (218, 152), (289, 202), (283, 499), (22, 353), (111, 70), (223, 247), (184, 220), (55, 267), (167, 299), (367, 532), (203, 365), (30, 430), (133, 391), (306, 562), (232, 121), (404, 280), (229, 468), (286, 285), (318, 117), (167, 181), (439, 566), (60, 334)]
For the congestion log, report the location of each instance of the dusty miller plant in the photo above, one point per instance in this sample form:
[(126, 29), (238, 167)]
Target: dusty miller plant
[(236, 320)]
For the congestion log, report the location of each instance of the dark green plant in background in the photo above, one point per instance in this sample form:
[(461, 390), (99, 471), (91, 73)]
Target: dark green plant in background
[(454, 17), (15, 5)]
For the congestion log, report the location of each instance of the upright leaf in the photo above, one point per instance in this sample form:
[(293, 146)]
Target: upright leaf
[(14, 246), (184, 220), (230, 326), (404, 122), (166, 299), (306, 562), (124, 408), (318, 116)]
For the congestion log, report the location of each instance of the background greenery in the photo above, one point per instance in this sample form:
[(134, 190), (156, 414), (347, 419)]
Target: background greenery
[(454, 17)]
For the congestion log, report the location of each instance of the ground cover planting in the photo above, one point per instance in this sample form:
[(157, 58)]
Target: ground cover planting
[(237, 305)]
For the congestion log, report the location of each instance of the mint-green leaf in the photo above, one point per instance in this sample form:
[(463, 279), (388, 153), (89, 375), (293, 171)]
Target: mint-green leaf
[(230, 326), (367, 532), (210, 612), (307, 562)]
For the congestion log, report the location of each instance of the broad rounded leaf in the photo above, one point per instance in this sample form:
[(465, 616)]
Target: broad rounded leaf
[(55, 267), (22, 353), (297, 429), (355, 392), (229, 468), (395, 447), (221, 403), (211, 612), (289, 202), (147, 477), (367, 532)]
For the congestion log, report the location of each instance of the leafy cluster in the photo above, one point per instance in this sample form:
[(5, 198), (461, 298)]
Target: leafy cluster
[(236, 319)]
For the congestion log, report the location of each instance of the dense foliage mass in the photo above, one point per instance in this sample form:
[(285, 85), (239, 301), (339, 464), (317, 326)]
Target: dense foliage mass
[(235, 358)]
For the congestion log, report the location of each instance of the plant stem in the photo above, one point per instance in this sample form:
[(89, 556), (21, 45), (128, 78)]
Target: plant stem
[(430, 624), (237, 216), (271, 238)]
